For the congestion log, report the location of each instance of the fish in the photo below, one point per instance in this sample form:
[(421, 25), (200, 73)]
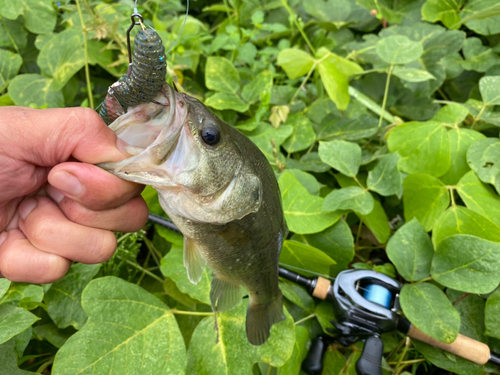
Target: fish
[(220, 191)]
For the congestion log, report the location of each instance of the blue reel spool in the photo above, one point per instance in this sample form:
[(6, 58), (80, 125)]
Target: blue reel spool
[(378, 294)]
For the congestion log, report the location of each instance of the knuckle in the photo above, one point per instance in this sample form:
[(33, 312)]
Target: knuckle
[(102, 246)]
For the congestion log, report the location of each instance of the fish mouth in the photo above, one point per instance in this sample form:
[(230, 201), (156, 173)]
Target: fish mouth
[(151, 132)]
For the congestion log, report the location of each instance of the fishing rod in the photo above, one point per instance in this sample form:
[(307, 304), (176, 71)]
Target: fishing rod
[(365, 316)]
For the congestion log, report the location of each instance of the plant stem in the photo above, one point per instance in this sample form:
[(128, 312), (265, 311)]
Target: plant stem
[(87, 72), (303, 82), (140, 268), (304, 319), (386, 94), (359, 183), (401, 365), (476, 119), (372, 106), (299, 27), (181, 312)]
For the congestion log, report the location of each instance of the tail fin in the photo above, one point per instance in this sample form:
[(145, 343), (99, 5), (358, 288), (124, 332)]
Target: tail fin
[(260, 319)]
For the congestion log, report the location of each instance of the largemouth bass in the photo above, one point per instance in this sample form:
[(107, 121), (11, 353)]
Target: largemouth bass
[(220, 191)]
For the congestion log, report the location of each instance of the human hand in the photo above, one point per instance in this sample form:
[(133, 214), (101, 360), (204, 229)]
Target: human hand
[(49, 153)]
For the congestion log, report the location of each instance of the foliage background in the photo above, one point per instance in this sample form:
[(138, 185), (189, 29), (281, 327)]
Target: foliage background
[(380, 118)]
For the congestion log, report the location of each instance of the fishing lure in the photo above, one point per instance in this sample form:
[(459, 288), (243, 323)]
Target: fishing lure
[(144, 78)]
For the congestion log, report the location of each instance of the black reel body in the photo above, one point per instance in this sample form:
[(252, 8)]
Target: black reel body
[(364, 315)]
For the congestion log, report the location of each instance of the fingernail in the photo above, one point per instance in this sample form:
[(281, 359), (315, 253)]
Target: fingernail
[(66, 183), (121, 145), (26, 207), (3, 237), (55, 194)]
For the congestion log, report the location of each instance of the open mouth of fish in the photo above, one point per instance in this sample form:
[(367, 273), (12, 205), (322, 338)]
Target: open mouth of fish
[(155, 132)]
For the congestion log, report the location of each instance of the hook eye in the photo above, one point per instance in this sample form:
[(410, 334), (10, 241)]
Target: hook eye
[(134, 23)]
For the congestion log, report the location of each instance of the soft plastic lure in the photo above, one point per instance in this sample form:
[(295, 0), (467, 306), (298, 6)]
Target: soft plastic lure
[(145, 76)]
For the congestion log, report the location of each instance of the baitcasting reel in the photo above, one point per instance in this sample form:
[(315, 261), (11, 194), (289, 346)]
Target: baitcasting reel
[(366, 304)]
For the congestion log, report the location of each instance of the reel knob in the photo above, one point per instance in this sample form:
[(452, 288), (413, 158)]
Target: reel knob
[(370, 362), (313, 363)]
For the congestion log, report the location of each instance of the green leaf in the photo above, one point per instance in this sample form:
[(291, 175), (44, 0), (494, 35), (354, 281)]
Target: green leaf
[(28, 89), (411, 251), (297, 295), (40, 16), (12, 33), (445, 11), (28, 296), (345, 66), (11, 9), (62, 56), (102, 56), (479, 197), (302, 210), (334, 11), (52, 334), (453, 114), (483, 157), (478, 57), (398, 49), (263, 82), (342, 155), (393, 11), (467, 263), (424, 198), (265, 134), (308, 162), (346, 128), (171, 236), (461, 220), (221, 75), (10, 63), (131, 332), (412, 74), (424, 147), (8, 359), (63, 298), (490, 91), (172, 266), (4, 287), (222, 100), (295, 62), (492, 314), (335, 82), (337, 242), (350, 198), (334, 362), (297, 254), (303, 134), (385, 178), (294, 363), (232, 353), (460, 140), (482, 16), (14, 320), (376, 220), (428, 309), (324, 312), (308, 180), (471, 310)]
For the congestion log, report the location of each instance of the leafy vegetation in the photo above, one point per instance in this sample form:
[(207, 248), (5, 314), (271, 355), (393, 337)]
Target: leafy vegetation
[(381, 121)]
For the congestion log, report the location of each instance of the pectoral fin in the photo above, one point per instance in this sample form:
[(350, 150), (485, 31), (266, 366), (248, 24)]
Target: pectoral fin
[(224, 295), (193, 261)]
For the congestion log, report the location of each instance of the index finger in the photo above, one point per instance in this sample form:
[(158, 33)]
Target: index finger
[(46, 137)]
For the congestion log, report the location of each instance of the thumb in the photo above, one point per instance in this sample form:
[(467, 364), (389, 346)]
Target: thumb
[(47, 137)]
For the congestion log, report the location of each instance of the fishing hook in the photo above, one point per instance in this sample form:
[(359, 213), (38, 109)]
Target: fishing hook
[(129, 47)]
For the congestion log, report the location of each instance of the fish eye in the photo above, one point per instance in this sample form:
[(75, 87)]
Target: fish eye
[(210, 135)]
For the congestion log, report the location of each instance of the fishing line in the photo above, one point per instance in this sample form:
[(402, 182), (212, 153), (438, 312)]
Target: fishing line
[(182, 28)]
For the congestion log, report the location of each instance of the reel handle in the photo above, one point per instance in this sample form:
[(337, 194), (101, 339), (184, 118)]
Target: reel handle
[(313, 363), (463, 346), (370, 362)]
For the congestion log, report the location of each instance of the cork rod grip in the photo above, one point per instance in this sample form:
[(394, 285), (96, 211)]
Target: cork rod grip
[(463, 346), (321, 289)]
